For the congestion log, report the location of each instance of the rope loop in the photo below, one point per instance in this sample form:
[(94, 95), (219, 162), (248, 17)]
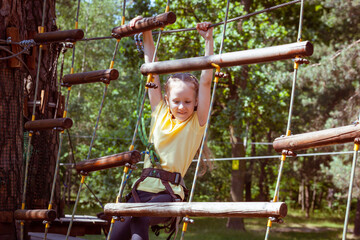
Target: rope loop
[(27, 43)]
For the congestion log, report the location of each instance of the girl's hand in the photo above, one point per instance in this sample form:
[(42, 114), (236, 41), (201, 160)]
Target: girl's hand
[(134, 20), (204, 30)]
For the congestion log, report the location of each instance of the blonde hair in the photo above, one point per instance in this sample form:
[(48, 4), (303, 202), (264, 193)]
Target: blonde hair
[(189, 78), (184, 77)]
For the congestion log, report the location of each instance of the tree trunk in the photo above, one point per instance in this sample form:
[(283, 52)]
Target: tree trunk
[(313, 201), (357, 219), (307, 199), (249, 172), (24, 17), (237, 179)]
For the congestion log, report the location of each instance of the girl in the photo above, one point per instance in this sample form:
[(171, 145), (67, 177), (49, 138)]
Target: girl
[(176, 134)]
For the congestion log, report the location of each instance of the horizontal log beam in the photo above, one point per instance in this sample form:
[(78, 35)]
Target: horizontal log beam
[(59, 36), (238, 58), (111, 161), (145, 24), (91, 77), (35, 215), (43, 124), (321, 138), (198, 209)]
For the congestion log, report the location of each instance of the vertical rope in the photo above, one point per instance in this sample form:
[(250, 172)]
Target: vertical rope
[(348, 205), (184, 229), (288, 131), (41, 30)]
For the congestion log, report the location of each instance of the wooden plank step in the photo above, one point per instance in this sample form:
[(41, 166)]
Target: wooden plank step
[(35, 214), (198, 209), (316, 139), (111, 161), (253, 56), (145, 24), (43, 124), (59, 36), (91, 77)]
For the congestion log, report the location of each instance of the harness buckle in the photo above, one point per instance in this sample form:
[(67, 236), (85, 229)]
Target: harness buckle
[(177, 178), (154, 174)]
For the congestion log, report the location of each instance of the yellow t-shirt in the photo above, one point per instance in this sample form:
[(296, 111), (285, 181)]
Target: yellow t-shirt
[(176, 144)]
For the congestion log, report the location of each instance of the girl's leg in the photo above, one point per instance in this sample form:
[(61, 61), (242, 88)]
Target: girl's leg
[(121, 230), (140, 225)]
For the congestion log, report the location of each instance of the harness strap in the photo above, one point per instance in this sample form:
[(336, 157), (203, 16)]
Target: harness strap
[(165, 177)]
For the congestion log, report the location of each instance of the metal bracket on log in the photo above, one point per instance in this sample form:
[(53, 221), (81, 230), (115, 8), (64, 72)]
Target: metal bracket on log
[(35, 215), (145, 24), (321, 138), (254, 56), (115, 160), (90, 77), (57, 123), (59, 36), (198, 209)]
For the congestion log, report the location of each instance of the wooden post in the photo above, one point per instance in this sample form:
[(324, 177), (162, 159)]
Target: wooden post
[(59, 36), (198, 209), (321, 138), (91, 77), (13, 33), (111, 161), (63, 123), (246, 57), (144, 24), (37, 214)]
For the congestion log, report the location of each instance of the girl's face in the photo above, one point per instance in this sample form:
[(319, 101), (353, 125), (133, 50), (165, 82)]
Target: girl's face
[(181, 99)]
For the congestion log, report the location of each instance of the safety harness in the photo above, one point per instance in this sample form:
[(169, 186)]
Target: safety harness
[(165, 177)]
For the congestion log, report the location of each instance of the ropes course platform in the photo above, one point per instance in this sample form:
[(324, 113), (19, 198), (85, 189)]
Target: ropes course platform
[(321, 138), (198, 209), (82, 225), (253, 56), (50, 236)]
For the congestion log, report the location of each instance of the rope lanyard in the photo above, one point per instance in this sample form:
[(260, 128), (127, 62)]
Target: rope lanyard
[(41, 30), (126, 173), (216, 79), (288, 131), (353, 167)]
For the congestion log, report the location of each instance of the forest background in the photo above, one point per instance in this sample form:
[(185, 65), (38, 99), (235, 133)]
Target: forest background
[(251, 106)]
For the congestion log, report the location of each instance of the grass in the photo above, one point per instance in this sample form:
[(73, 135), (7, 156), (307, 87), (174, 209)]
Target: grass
[(295, 227)]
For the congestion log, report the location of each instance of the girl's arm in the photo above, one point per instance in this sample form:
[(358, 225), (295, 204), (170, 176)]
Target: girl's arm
[(206, 75), (154, 93), (149, 48)]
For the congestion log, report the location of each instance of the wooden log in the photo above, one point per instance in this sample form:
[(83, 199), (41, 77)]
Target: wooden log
[(111, 161), (63, 123), (35, 215), (144, 24), (59, 36), (90, 77), (321, 138), (198, 209), (246, 57), (13, 33)]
